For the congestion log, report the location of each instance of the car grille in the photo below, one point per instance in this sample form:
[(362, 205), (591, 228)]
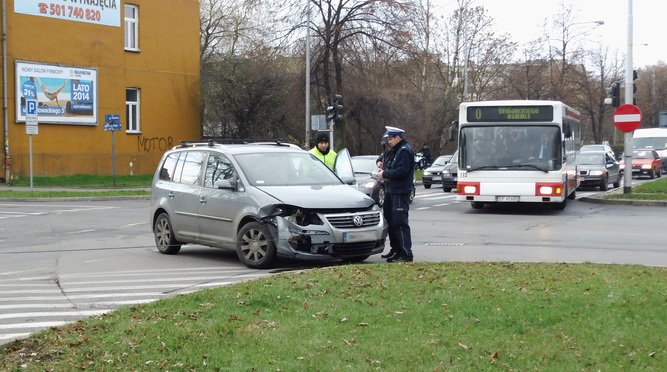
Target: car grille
[(353, 249), (346, 221), (583, 173)]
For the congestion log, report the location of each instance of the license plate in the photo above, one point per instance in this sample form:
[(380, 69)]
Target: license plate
[(507, 199), (358, 236)]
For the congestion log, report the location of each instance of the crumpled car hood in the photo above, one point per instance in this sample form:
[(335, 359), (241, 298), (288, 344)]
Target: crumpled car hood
[(319, 197)]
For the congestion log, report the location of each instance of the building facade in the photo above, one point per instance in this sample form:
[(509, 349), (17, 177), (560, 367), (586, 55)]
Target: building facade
[(97, 86)]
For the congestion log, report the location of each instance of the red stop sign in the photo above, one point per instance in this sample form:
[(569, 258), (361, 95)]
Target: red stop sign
[(627, 118)]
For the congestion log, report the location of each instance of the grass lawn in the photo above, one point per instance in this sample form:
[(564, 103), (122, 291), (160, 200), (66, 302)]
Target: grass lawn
[(394, 317), (654, 190), (85, 185)]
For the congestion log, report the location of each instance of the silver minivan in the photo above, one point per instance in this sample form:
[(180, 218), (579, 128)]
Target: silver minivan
[(265, 201)]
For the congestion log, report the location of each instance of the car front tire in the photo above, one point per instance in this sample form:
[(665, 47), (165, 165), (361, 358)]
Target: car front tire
[(255, 246), (165, 241)]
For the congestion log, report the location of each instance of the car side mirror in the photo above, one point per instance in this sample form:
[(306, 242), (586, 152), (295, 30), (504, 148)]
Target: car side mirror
[(225, 185)]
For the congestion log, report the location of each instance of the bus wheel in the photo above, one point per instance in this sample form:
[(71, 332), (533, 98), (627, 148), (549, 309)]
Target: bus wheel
[(477, 205), (559, 206)]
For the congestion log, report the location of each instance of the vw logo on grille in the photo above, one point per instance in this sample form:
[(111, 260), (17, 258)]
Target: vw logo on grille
[(358, 221)]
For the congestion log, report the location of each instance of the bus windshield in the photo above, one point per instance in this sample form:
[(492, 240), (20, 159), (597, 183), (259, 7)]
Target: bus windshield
[(516, 147)]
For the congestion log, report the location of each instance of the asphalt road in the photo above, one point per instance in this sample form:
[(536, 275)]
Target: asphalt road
[(65, 260)]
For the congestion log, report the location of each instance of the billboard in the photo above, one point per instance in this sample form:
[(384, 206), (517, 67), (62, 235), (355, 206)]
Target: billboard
[(101, 12), (65, 95)]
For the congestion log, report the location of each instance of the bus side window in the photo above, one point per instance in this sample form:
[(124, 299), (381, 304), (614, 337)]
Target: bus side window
[(567, 130)]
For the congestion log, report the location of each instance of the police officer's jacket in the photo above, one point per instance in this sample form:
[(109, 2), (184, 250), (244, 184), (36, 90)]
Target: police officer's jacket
[(400, 169)]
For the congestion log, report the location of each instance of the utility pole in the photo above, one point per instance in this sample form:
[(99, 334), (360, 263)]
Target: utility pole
[(627, 139)]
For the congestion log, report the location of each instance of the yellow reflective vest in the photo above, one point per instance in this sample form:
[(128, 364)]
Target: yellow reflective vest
[(327, 159)]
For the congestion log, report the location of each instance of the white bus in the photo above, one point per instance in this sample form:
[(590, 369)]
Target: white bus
[(517, 152)]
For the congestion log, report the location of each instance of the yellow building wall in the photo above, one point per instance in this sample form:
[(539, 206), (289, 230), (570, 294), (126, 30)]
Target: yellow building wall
[(166, 70)]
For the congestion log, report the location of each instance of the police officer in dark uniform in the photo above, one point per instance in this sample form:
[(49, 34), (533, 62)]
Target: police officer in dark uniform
[(398, 174)]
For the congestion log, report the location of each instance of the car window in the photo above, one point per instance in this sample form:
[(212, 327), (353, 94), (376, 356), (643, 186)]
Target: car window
[(169, 166), (192, 168), (218, 167)]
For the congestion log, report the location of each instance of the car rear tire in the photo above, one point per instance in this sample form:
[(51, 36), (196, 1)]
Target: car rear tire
[(164, 235), (446, 189), (427, 186), (255, 246), (617, 184)]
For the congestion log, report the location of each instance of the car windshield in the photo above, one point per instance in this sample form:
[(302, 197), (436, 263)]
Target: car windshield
[(590, 159), (364, 164), (441, 160), (592, 148), (642, 155), (285, 169)]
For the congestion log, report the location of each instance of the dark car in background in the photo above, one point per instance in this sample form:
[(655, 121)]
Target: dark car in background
[(365, 168), (449, 174), (645, 162), (433, 174), (598, 169)]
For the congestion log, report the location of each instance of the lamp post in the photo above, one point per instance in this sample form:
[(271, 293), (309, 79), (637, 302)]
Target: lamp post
[(307, 144), (627, 137)]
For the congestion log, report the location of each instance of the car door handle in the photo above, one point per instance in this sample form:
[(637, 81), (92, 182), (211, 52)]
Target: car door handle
[(202, 200), (171, 195)]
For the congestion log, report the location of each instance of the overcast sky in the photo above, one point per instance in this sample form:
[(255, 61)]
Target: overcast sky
[(524, 20)]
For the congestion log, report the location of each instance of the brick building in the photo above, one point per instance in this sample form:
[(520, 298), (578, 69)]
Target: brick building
[(68, 64)]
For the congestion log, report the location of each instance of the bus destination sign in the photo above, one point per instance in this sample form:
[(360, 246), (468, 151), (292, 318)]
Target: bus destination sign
[(509, 113)]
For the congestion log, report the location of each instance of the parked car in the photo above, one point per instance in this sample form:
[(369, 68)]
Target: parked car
[(645, 162), (599, 147), (598, 169), (365, 170), (449, 174), (264, 201), (432, 175)]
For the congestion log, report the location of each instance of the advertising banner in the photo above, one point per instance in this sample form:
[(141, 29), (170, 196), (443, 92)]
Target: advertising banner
[(101, 12), (65, 95)]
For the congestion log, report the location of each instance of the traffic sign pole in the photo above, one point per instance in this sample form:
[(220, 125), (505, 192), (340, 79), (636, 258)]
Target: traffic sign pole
[(112, 124), (627, 118)]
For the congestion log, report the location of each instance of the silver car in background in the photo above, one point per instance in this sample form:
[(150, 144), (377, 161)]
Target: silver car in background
[(598, 169), (264, 201)]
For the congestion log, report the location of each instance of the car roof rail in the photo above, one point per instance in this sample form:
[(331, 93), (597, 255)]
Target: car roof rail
[(213, 141)]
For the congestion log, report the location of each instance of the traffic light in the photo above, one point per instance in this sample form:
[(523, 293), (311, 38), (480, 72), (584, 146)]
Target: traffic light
[(614, 92), (634, 87), (335, 111)]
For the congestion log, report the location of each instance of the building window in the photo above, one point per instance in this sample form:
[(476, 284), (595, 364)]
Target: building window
[(132, 110), (131, 27)]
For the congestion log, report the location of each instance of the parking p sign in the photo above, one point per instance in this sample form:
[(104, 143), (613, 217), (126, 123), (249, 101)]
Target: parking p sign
[(31, 116)]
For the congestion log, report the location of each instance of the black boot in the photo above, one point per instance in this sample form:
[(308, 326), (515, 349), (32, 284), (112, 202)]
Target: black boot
[(396, 256), (390, 254)]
